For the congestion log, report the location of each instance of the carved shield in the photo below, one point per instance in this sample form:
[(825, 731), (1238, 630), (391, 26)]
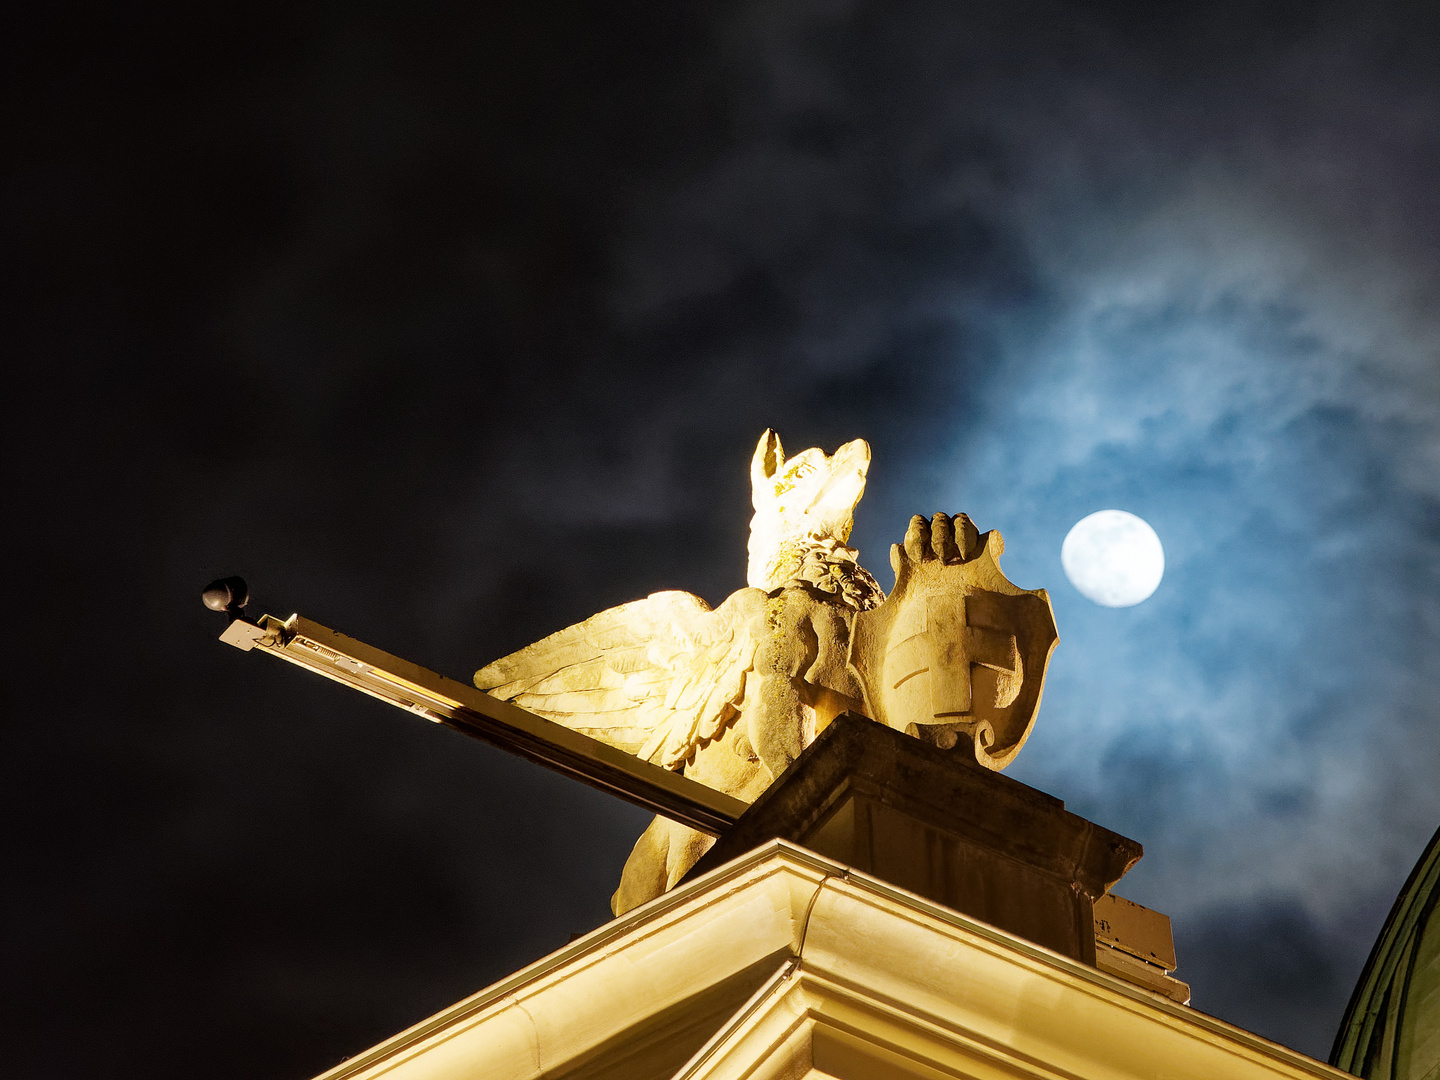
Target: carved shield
[(957, 652)]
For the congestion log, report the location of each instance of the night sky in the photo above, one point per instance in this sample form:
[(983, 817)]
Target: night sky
[(448, 325)]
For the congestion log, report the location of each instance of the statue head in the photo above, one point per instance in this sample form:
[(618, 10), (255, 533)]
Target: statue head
[(798, 501)]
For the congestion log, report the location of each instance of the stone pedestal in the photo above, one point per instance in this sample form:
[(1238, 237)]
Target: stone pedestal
[(930, 822)]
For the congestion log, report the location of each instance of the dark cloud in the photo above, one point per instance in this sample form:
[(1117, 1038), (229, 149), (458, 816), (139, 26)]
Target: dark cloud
[(1268, 950), (452, 326)]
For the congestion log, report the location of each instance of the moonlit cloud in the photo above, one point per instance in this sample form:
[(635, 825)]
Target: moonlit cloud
[(1254, 722), (1211, 310), (450, 326)]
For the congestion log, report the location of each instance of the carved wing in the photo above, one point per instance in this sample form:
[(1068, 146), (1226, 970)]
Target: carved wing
[(655, 677)]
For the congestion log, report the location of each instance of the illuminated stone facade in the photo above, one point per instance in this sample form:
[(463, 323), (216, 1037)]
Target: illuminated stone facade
[(785, 964)]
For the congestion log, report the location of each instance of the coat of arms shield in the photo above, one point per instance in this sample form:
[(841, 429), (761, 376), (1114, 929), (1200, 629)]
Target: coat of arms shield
[(957, 652)]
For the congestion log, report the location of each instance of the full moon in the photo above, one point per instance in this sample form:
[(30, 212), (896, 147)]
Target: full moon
[(1113, 558)]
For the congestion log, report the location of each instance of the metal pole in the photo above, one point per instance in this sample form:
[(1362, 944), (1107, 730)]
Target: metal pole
[(473, 712)]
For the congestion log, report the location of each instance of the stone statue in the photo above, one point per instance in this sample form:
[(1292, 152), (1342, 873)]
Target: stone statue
[(956, 655)]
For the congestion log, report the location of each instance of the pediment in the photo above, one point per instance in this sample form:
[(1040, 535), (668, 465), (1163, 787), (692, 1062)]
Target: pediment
[(785, 964)]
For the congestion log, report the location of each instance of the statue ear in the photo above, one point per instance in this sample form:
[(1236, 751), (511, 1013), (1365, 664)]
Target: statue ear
[(769, 455)]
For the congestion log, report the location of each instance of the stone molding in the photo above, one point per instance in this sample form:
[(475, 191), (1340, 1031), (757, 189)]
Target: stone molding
[(782, 963)]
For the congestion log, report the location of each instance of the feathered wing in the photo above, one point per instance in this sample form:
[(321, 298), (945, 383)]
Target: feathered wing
[(655, 677)]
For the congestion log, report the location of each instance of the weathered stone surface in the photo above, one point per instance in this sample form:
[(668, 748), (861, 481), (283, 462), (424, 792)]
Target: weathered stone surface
[(951, 831)]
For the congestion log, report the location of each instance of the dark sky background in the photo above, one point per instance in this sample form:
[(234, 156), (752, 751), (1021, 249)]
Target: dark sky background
[(449, 325)]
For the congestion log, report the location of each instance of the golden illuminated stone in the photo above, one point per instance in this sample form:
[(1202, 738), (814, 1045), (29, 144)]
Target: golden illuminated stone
[(956, 655), (785, 964)]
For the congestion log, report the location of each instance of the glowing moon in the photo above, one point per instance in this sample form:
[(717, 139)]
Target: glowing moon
[(1113, 558)]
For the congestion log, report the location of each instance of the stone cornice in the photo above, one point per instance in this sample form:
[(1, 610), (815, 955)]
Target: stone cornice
[(787, 955)]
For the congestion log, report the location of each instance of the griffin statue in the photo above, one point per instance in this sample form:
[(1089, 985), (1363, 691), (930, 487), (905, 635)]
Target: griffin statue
[(955, 655)]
